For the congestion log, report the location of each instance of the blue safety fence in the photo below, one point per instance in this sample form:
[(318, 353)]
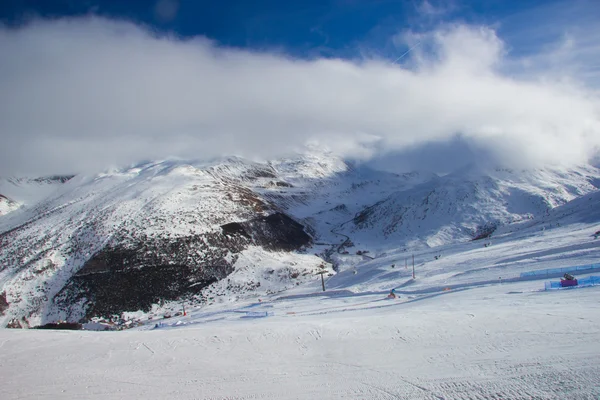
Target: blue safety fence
[(560, 271), (582, 282)]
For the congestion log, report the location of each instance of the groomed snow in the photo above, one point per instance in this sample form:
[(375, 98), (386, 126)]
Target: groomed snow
[(503, 341), (456, 332)]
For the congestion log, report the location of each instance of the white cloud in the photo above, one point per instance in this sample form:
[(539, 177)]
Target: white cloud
[(84, 93)]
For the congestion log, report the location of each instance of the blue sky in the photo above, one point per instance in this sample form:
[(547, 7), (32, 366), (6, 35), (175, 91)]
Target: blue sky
[(309, 28), (112, 82)]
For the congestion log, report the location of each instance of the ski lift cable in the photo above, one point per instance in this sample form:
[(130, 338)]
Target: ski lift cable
[(405, 53)]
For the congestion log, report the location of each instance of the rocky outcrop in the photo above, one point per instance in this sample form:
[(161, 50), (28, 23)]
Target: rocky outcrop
[(3, 303), (276, 232), (137, 275)]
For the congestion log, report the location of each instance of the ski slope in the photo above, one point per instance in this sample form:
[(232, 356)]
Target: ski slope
[(455, 332), (468, 326), (502, 342)]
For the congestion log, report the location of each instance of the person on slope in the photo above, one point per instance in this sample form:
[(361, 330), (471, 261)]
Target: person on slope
[(392, 294)]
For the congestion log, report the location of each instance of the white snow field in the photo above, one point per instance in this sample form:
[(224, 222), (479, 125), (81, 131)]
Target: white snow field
[(470, 326), (504, 342), (456, 332)]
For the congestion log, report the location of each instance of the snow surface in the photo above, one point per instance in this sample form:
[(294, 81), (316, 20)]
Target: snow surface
[(342, 204), (7, 205), (468, 327), (505, 341), (454, 207)]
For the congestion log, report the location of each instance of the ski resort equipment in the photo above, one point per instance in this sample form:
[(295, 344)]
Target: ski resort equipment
[(568, 277), (322, 279), (573, 284), (568, 280)]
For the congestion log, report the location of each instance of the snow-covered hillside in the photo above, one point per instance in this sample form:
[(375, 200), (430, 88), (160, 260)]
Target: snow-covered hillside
[(204, 232), (27, 191), (7, 205), (467, 204), (241, 245), (466, 328), (133, 237)]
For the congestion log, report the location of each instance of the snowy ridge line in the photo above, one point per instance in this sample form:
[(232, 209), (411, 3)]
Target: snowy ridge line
[(554, 271)]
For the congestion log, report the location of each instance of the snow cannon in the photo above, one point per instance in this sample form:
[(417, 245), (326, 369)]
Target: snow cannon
[(568, 280)]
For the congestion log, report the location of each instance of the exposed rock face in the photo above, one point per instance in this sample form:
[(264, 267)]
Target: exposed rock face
[(3, 303), (53, 179), (65, 326), (274, 232), (133, 277)]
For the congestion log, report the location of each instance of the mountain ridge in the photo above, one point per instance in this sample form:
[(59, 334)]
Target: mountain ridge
[(265, 226)]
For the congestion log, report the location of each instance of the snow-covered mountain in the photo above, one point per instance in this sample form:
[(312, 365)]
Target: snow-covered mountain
[(158, 232), (7, 205), (468, 204), (129, 238), (17, 192)]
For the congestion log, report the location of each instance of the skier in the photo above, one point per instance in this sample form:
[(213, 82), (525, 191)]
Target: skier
[(392, 294)]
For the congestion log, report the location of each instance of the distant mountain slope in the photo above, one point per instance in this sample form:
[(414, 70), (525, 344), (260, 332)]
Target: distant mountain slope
[(132, 238), (28, 191), (7, 205), (163, 226), (324, 191), (584, 209), (461, 205)]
